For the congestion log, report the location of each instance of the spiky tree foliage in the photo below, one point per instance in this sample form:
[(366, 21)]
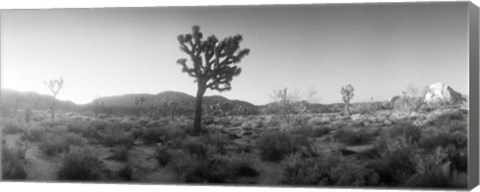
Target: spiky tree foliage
[(347, 95), (213, 64), (139, 100), (55, 85)]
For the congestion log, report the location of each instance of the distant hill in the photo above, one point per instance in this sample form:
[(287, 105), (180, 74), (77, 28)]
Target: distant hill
[(31, 100), (185, 102)]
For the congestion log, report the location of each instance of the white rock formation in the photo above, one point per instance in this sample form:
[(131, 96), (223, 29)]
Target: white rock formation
[(439, 93)]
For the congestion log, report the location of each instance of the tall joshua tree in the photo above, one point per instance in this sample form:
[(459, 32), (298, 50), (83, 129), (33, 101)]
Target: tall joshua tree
[(139, 100), (213, 64), (54, 85), (347, 95)]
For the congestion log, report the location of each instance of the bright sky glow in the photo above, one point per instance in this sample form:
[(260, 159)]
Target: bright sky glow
[(379, 49)]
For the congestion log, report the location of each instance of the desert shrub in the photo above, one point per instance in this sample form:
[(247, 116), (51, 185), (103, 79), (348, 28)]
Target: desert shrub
[(78, 127), (443, 138), (20, 149), (395, 167), (126, 172), (163, 155), (409, 132), (112, 137), (53, 124), (353, 174), (326, 171), (212, 170), (197, 148), (81, 164), (12, 166), (12, 128), (175, 136), (320, 131), (217, 169), (448, 118), (459, 159), (408, 104), (275, 145), (34, 134), (154, 135), (300, 171), (365, 108), (437, 179), (351, 137), (218, 141), (52, 144), (120, 153), (126, 125), (243, 165)]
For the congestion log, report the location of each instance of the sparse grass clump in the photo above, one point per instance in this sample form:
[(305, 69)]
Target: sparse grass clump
[(12, 166), (276, 145), (81, 164)]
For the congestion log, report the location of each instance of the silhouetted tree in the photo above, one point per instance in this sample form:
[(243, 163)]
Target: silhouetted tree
[(18, 100), (139, 100), (54, 85), (347, 95), (98, 106), (213, 64)]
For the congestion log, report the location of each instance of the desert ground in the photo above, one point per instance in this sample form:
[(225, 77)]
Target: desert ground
[(374, 146)]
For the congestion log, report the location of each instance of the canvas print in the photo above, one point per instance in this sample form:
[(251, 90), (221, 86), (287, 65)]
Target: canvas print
[(339, 95)]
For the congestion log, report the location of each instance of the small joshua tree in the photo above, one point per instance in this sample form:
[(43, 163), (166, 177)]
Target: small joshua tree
[(18, 99), (347, 95), (139, 100), (55, 85), (213, 64), (98, 106)]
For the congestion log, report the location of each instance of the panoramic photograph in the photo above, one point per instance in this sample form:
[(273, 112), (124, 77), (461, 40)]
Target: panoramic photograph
[(336, 95)]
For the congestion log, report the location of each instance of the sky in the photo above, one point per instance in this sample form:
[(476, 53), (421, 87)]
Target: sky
[(380, 49)]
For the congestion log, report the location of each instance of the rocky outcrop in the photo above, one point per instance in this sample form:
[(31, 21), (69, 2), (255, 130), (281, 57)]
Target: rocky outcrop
[(439, 93)]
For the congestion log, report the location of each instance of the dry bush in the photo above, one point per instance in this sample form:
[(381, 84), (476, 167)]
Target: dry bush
[(163, 155), (12, 167), (412, 134), (217, 141), (329, 170), (80, 164), (351, 137), (11, 127), (120, 153), (52, 143), (275, 145), (34, 135), (214, 169)]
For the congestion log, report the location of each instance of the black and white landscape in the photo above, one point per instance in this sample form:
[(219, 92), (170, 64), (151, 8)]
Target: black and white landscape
[(301, 95)]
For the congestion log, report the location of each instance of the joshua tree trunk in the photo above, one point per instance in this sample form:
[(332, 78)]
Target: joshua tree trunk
[(53, 109), (347, 108), (198, 109)]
